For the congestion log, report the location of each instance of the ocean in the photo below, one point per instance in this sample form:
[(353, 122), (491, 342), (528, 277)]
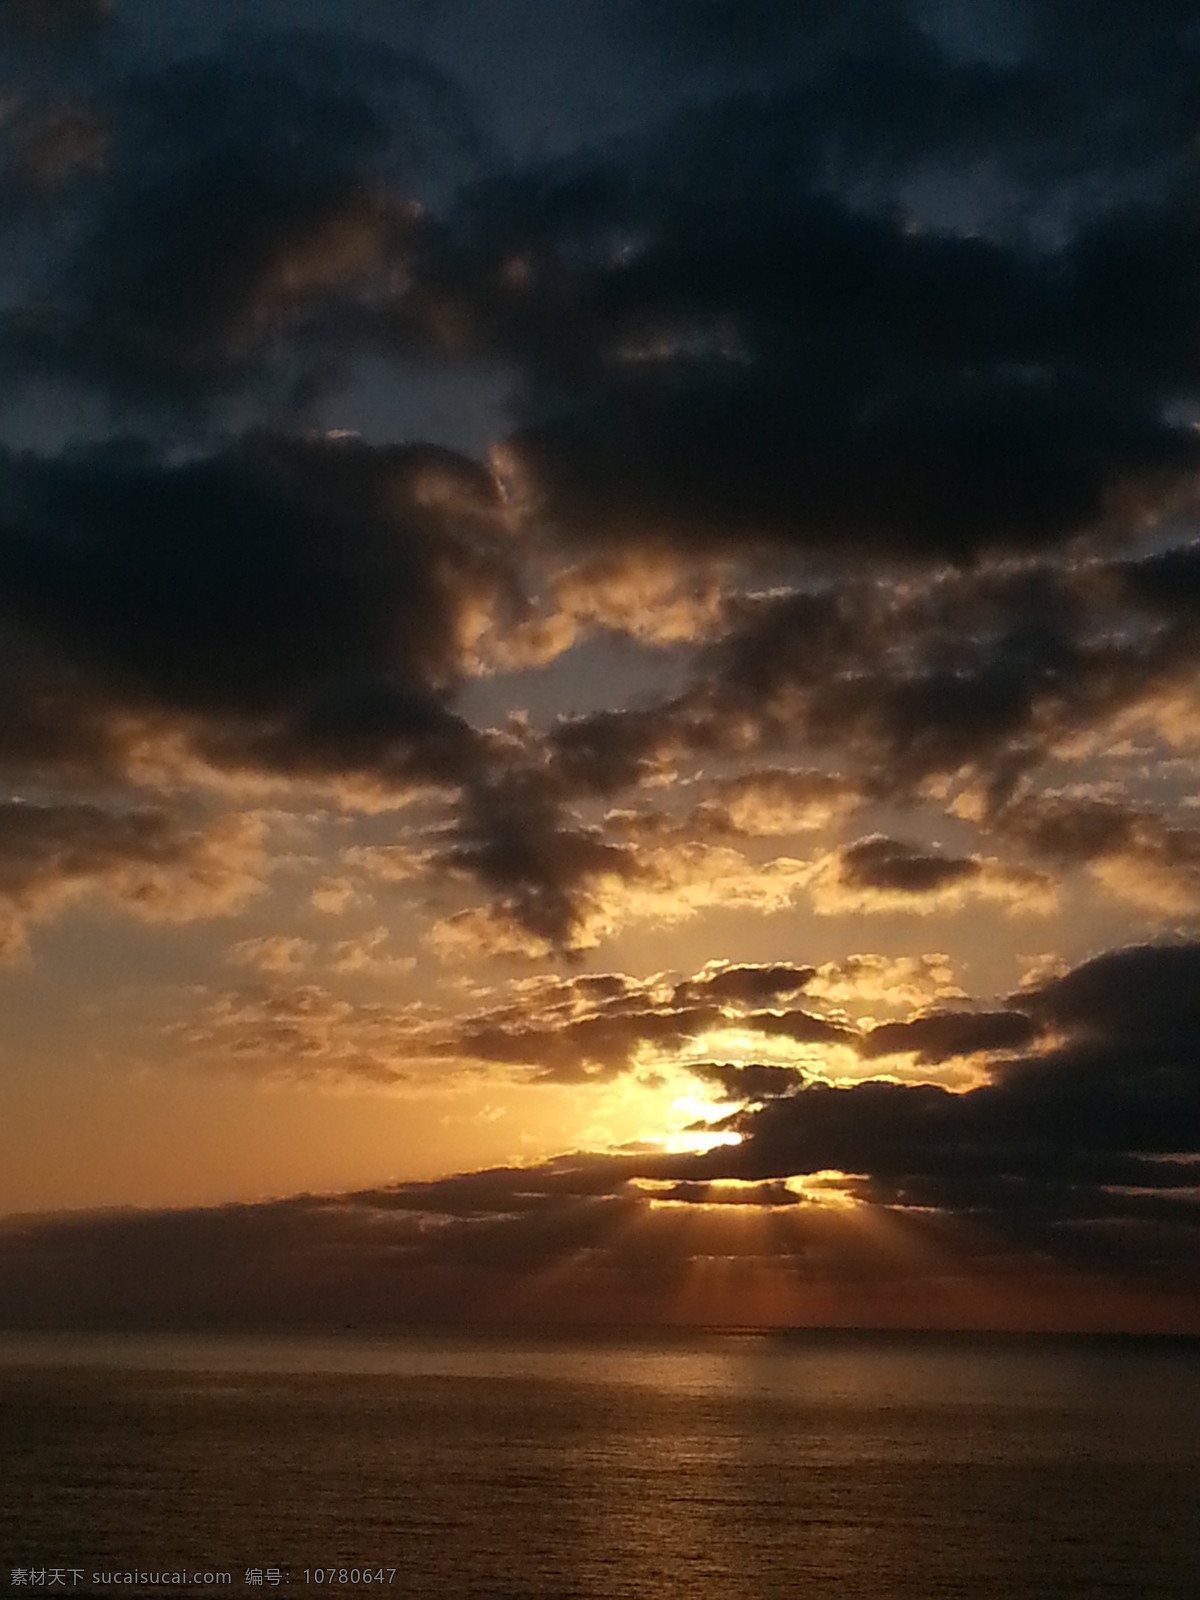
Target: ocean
[(738, 1466)]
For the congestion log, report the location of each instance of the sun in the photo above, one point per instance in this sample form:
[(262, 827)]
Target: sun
[(690, 1124)]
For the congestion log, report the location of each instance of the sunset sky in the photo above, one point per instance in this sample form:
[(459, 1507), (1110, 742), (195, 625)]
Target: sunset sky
[(600, 629)]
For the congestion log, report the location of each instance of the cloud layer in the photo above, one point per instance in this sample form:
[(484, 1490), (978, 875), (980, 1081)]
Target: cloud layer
[(597, 599)]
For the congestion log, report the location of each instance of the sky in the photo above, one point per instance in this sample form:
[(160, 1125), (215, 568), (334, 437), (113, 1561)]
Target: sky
[(600, 620)]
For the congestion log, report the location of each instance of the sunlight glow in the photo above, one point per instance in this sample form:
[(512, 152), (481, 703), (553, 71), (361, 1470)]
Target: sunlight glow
[(697, 1141), (825, 1188), (684, 1137)]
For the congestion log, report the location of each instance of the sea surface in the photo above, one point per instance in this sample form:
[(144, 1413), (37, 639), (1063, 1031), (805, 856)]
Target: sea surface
[(671, 1468)]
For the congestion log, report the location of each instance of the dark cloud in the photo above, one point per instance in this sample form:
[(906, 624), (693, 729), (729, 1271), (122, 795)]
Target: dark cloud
[(581, 1027), (932, 470), (584, 1028), (54, 24), (1138, 852), (255, 211), (943, 1035), (974, 677), (725, 346), (1137, 996), (728, 329), (892, 864), (1092, 1112), (300, 606), (557, 878), (1166, 583), (1062, 1119), (611, 750), (800, 1026), (744, 986), (181, 289), (49, 149), (516, 839), (773, 1195), (749, 1083), (599, 1045), (977, 674), (753, 28), (893, 86)]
